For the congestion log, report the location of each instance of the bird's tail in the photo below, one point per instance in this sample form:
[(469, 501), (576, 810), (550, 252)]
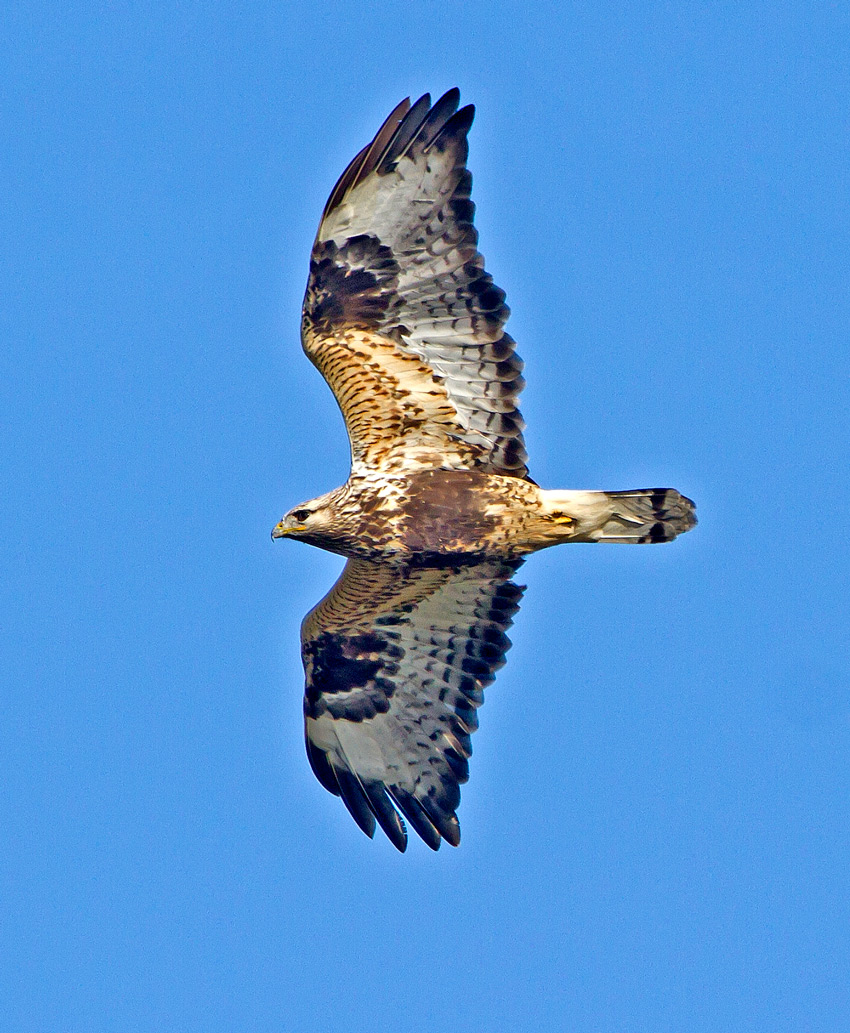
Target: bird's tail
[(629, 517)]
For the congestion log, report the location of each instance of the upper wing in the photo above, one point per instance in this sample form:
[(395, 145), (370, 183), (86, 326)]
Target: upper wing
[(400, 316), (396, 663)]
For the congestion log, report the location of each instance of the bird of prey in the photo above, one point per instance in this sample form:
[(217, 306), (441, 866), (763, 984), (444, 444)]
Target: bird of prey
[(406, 326)]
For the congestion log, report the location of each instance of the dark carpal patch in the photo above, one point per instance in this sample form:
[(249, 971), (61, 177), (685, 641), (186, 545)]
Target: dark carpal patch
[(348, 675), (352, 284)]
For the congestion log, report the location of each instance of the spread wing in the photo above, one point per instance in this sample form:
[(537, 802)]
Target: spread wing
[(396, 662), (400, 316)]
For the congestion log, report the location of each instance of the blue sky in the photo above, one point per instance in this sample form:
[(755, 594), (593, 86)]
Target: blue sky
[(656, 826)]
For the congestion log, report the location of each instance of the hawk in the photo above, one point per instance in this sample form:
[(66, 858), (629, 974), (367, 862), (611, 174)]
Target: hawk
[(406, 326)]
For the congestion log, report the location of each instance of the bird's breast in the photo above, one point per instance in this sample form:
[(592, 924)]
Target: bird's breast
[(438, 512)]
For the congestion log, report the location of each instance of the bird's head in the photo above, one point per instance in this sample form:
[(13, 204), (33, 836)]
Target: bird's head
[(317, 522), (304, 518)]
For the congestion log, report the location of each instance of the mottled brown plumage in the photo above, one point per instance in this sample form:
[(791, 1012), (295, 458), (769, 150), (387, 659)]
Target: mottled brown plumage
[(404, 323)]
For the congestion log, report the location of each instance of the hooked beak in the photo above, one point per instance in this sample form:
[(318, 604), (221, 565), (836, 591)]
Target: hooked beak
[(282, 530)]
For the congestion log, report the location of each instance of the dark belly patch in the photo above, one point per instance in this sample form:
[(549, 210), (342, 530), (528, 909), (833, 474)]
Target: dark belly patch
[(444, 511)]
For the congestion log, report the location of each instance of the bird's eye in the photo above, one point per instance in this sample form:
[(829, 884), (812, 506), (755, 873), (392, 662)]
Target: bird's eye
[(300, 515)]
